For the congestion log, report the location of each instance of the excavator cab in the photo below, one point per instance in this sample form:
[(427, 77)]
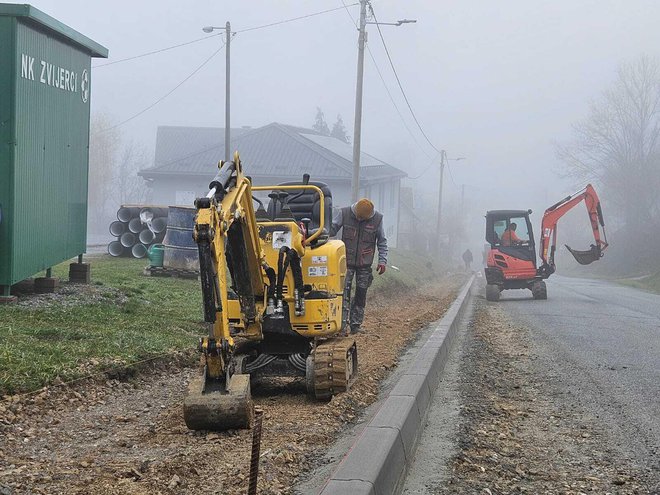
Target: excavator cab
[(511, 260), (500, 224)]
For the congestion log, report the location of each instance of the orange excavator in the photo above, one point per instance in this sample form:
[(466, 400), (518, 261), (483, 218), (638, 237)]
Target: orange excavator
[(511, 262)]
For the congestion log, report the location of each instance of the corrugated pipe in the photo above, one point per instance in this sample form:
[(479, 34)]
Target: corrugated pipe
[(135, 225), (146, 236), (127, 239), (115, 248), (150, 212), (117, 228), (125, 213), (139, 251)]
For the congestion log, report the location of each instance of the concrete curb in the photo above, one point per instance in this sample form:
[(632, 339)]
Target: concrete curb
[(376, 464)]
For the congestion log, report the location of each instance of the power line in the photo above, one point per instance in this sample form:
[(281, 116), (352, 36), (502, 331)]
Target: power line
[(451, 176), (156, 51), (405, 97), (389, 94), (349, 12), (277, 23), (165, 95), (426, 169)]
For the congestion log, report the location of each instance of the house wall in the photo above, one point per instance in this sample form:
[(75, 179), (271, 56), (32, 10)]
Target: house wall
[(178, 192), (406, 229)]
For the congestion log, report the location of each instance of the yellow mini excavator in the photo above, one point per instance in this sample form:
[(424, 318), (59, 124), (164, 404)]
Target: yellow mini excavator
[(273, 295)]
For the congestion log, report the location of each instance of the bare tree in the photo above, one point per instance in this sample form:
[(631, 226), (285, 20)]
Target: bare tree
[(104, 145), (113, 168), (618, 144), (128, 187)]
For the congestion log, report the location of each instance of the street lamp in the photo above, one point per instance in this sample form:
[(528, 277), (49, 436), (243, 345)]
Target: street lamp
[(443, 160), (227, 28), (397, 23), (357, 128)]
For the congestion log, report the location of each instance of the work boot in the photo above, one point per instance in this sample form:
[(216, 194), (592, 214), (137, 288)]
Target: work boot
[(356, 329)]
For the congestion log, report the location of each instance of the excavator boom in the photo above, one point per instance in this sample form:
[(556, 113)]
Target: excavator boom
[(225, 229), (551, 217)]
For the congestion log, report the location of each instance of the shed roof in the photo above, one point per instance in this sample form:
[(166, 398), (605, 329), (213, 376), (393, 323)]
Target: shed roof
[(274, 150), (31, 14)]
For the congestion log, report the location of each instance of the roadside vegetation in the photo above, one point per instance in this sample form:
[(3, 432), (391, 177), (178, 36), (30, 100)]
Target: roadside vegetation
[(122, 318), (650, 282)]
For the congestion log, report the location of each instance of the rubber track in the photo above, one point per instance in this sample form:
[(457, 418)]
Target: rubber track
[(330, 362)]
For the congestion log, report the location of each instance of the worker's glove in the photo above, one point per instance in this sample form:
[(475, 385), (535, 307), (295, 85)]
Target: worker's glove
[(380, 268)]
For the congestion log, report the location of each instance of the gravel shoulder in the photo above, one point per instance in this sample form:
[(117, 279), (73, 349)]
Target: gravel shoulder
[(525, 429), (128, 436)]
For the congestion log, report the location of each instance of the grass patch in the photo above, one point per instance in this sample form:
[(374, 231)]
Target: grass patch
[(122, 317), (413, 270), (650, 283)]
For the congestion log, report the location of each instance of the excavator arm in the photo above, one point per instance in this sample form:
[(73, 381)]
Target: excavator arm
[(551, 217), (227, 235)]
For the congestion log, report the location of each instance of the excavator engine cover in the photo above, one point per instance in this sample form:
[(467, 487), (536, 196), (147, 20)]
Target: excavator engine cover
[(586, 257), (211, 406)]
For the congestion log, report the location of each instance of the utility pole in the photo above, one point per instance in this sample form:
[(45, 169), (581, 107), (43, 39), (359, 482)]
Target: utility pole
[(227, 28), (357, 128), (227, 113), (443, 156)]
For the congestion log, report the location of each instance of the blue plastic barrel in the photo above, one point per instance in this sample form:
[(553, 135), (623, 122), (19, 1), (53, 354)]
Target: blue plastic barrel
[(180, 250)]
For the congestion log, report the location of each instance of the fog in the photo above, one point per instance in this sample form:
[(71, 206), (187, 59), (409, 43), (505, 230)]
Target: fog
[(495, 82)]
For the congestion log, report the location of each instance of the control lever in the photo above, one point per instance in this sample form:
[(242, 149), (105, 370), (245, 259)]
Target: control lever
[(306, 222)]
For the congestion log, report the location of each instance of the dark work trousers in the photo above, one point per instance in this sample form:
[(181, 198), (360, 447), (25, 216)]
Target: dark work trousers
[(363, 278)]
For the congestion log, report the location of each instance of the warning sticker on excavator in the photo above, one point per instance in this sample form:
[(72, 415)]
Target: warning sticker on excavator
[(319, 259), (281, 238), (317, 271)]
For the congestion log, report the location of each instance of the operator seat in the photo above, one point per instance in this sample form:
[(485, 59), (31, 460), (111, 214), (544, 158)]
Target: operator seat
[(306, 204)]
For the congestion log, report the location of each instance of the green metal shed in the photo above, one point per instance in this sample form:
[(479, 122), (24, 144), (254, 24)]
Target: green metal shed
[(45, 70)]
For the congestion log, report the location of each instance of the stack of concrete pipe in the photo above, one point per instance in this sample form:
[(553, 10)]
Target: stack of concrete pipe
[(136, 229)]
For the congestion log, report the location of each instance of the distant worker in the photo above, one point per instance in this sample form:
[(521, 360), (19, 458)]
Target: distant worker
[(467, 258), (362, 233), (509, 237)]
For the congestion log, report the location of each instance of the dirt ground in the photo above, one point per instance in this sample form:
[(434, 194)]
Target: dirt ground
[(519, 431), (128, 437)]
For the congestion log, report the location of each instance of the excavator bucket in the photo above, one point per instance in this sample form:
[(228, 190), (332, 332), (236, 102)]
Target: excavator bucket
[(210, 406), (586, 257)]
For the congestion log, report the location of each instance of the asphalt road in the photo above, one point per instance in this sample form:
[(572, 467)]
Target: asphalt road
[(606, 340), (598, 346)]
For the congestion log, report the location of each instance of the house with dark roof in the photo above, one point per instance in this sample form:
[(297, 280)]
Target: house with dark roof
[(186, 159)]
